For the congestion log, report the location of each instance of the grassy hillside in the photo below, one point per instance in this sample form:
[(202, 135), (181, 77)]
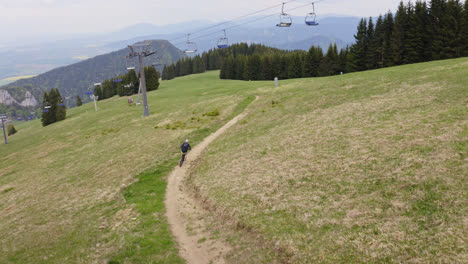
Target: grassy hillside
[(63, 194), (365, 167)]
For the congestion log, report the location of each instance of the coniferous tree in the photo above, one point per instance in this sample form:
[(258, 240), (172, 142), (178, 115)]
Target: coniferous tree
[(253, 67), (61, 112), (371, 50), (45, 118), (267, 69), (241, 61), (53, 101), (358, 52), (423, 24), (375, 55), (387, 50), (152, 78), (436, 12), (399, 36), (312, 61), (464, 30), (413, 42), (78, 101), (452, 27)]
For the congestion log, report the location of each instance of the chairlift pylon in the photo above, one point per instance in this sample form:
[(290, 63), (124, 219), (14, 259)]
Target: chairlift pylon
[(311, 17), (285, 19), (223, 42), (190, 47)]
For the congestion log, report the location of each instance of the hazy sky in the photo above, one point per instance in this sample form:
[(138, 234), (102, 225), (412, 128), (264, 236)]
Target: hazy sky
[(30, 17)]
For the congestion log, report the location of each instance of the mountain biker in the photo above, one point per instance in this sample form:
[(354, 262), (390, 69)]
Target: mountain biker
[(184, 148)]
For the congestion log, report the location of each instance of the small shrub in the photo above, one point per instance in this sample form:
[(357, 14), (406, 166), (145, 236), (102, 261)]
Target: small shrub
[(212, 113), (11, 129), (274, 103)]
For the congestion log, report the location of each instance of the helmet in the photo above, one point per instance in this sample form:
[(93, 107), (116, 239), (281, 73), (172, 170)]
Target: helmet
[(186, 140)]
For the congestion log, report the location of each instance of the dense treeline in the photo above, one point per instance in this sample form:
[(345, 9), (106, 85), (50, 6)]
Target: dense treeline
[(418, 32), (213, 59), (53, 107), (128, 85)]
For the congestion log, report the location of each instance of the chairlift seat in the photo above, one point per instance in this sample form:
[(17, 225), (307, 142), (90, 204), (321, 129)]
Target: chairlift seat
[(311, 23), (285, 20), (284, 24)]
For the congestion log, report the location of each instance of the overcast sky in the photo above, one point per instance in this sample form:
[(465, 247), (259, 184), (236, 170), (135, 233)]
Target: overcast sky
[(29, 17)]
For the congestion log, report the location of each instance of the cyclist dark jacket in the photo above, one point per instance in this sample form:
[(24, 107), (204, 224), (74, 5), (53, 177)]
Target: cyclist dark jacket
[(185, 147)]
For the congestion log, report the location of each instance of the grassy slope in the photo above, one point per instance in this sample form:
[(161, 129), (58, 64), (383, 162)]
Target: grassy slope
[(63, 188), (365, 167)]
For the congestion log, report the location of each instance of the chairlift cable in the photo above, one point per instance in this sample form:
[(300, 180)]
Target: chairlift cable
[(251, 21), (232, 20)]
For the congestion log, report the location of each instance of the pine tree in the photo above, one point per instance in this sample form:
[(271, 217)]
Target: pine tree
[(452, 27), (61, 112), (358, 51), (371, 51), (267, 69), (294, 66), (106, 89), (436, 11), (253, 67), (312, 61), (399, 35), (241, 61), (45, 118), (413, 37), (387, 51), (152, 78), (464, 30), (78, 101), (423, 25)]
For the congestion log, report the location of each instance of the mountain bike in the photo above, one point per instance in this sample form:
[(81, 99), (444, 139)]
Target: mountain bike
[(182, 159)]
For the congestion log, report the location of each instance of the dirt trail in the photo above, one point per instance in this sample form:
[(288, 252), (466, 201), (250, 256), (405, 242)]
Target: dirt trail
[(185, 215)]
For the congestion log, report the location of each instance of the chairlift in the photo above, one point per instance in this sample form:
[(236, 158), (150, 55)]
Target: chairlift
[(285, 19), (129, 68), (190, 47), (310, 17), (223, 42)]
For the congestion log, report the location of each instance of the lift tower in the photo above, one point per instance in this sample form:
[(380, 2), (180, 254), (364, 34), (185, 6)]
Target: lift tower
[(141, 55)]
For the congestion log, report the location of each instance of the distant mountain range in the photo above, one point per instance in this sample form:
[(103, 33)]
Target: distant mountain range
[(78, 78), (41, 57)]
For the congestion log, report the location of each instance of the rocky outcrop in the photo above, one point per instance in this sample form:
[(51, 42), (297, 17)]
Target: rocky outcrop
[(29, 101), (7, 99)]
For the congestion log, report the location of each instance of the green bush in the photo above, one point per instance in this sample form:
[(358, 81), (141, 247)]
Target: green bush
[(212, 113), (11, 129)]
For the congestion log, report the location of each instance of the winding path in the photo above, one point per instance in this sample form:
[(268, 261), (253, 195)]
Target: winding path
[(183, 212)]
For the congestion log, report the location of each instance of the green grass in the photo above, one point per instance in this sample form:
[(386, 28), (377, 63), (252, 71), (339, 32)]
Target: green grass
[(64, 189), (364, 167)]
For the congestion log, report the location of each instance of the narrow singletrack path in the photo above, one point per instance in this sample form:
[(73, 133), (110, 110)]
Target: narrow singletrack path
[(184, 214)]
